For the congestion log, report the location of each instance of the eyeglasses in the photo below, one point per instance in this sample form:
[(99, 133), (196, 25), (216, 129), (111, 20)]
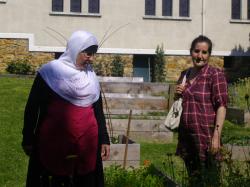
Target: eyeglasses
[(202, 51), (88, 54)]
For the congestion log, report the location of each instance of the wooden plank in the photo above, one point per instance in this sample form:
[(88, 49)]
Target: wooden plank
[(117, 152), (130, 163), (117, 155), (139, 125), (137, 103), (135, 88)]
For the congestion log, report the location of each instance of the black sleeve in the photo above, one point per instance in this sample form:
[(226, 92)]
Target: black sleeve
[(103, 134), (32, 110)]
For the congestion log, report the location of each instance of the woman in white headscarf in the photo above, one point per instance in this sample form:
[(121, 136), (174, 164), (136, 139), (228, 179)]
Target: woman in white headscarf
[(64, 130)]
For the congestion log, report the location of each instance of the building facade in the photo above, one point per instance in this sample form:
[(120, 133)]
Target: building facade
[(131, 28)]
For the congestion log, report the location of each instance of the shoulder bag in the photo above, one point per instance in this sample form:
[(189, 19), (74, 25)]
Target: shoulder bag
[(172, 120)]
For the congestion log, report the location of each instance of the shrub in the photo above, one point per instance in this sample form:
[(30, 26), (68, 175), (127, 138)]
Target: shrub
[(117, 66), (98, 67), (144, 176), (233, 172), (159, 72), (20, 66)]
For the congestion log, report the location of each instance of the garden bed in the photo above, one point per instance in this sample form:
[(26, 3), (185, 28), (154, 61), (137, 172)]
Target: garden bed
[(239, 152), (117, 152), (238, 116)]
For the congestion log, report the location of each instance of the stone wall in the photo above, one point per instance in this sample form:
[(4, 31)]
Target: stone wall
[(103, 61), (13, 49), (176, 64)]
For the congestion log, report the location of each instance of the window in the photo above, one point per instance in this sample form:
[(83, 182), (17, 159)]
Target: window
[(248, 9), (150, 7), (184, 8), (236, 9), (167, 7), (75, 6), (94, 6), (57, 5)]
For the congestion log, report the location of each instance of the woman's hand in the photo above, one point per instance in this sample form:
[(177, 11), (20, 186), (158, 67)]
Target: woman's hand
[(220, 117), (178, 91), (105, 151), (216, 145)]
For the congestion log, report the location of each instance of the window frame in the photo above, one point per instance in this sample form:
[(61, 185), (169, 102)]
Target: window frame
[(148, 9), (167, 10), (79, 7), (239, 12), (53, 6), (183, 10), (90, 7), (77, 13), (248, 9)]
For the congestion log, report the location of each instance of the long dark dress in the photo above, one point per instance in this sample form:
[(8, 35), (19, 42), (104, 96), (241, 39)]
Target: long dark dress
[(37, 109)]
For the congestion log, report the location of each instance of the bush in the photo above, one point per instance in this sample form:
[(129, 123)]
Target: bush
[(20, 66), (144, 176), (98, 69), (117, 66), (159, 72)]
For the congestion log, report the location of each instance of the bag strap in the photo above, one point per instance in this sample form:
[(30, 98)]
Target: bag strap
[(185, 78)]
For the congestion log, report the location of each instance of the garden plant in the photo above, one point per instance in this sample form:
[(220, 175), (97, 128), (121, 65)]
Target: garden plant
[(154, 156)]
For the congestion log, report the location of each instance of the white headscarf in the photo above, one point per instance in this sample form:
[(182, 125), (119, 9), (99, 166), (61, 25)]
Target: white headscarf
[(80, 88)]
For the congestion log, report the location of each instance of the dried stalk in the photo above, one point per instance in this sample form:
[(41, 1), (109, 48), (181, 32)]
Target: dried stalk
[(108, 114), (127, 137)]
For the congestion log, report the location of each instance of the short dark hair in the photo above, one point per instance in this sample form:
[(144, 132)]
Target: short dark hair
[(199, 39)]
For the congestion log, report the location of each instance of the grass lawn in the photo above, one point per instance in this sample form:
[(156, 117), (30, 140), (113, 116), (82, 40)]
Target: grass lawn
[(155, 153), (13, 162)]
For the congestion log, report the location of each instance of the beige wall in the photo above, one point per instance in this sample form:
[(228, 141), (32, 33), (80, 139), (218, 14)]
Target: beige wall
[(226, 33), (141, 35)]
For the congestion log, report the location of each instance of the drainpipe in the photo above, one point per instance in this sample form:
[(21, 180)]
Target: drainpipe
[(203, 17)]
